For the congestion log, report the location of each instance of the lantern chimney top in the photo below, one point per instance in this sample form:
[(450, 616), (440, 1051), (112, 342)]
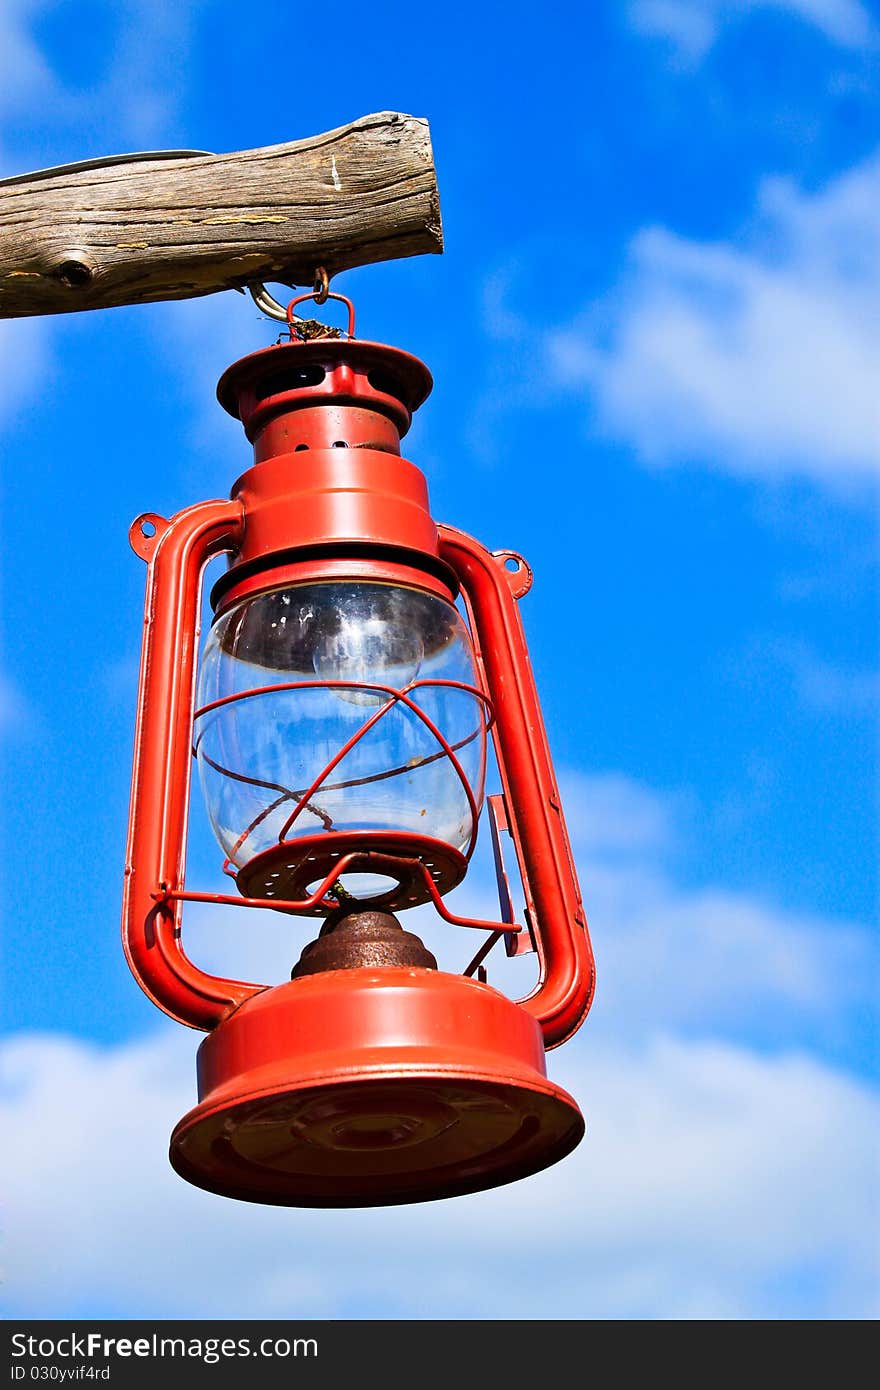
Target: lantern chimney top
[(329, 372)]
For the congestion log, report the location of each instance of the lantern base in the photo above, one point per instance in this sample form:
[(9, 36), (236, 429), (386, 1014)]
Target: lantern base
[(372, 1087)]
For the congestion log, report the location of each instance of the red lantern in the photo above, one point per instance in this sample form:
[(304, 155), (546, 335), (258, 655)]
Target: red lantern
[(339, 724)]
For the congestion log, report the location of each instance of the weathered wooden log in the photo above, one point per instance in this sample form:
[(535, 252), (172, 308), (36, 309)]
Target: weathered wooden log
[(144, 229)]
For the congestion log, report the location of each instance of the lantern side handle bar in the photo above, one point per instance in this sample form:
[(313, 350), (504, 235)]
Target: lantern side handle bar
[(177, 552), (562, 998)]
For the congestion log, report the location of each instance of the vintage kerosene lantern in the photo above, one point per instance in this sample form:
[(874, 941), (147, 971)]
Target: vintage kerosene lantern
[(339, 724)]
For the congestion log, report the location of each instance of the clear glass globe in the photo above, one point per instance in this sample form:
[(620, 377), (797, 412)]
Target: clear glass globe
[(285, 759)]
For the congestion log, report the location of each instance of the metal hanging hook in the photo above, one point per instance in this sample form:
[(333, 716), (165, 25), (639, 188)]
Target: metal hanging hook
[(266, 302), (269, 305)]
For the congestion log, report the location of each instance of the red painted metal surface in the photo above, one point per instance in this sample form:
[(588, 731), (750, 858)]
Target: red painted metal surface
[(556, 915), (328, 482), (373, 1086), (306, 382), (177, 551), (411, 861), (332, 500)]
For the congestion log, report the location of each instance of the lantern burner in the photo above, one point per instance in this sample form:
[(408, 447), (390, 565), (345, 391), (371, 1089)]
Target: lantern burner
[(352, 940), (291, 871)]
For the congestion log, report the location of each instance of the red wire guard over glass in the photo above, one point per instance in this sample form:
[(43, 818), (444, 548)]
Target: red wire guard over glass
[(395, 697)]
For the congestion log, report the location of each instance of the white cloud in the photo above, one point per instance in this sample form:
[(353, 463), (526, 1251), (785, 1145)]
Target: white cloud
[(724, 963), (698, 960), (611, 814), (820, 687), (690, 28), (702, 959), (693, 26), (712, 1183), (25, 363), (209, 333), (141, 85), (24, 73), (15, 713), (709, 1177), (760, 357), (154, 41)]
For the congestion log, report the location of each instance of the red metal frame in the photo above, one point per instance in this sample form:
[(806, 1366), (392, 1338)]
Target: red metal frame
[(177, 551), (354, 511), (555, 913)]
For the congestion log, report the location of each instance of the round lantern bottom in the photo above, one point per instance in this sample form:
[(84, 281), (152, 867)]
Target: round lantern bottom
[(373, 1087)]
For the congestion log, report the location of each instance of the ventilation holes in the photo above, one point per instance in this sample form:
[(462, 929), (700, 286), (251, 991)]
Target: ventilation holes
[(293, 379), (386, 383)]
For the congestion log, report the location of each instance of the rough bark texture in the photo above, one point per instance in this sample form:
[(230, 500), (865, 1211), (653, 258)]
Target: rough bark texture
[(134, 232)]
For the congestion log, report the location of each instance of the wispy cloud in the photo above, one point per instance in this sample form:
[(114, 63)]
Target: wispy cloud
[(693, 26), (155, 42), (761, 356), (15, 714), (820, 686), (672, 958), (612, 815), (141, 81), (687, 1199), (152, 41), (702, 959), (25, 364), (709, 1177), (24, 72)]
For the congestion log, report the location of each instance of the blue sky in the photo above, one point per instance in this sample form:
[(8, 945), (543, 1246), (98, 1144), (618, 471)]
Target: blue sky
[(654, 336)]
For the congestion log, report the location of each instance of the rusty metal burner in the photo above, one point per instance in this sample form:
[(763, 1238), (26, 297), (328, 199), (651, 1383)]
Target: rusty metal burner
[(349, 940)]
